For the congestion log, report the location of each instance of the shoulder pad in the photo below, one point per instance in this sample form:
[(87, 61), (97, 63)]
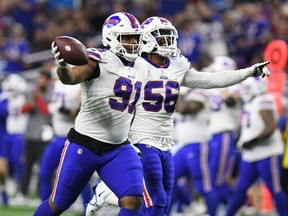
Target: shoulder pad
[(182, 60), (96, 54)]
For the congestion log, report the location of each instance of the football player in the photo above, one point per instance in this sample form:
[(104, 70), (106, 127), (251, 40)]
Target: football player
[(262, 146), (192, 156), (3, 147), (224, 127), (151, 129), (63, 107), (16, 88), (110, 86)]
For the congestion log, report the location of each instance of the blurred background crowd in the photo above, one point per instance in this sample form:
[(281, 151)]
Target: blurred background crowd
[(240, 29), (207, 28)]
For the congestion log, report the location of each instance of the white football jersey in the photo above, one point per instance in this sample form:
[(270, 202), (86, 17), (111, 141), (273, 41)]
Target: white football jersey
[(66, 96), (223, 117), (252, 125), (108, 101), (16, 120), (153, 121), (194, 128)]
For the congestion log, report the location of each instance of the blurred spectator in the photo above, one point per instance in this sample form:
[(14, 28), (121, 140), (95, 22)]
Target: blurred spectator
[(170, 7), (190, 41), (2, 61), (255, 33), (41, 40), (279, 20), (240, 29), (15, 50), (55, 5), (212, 32), (96, 19), (23, 12), (82, 27), (220, 5), (38, 132)]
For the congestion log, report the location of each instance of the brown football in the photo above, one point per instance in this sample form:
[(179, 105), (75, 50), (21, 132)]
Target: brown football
[(72, 50)]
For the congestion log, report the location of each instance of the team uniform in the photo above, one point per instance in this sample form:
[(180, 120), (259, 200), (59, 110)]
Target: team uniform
[(15, 88), (16, 128), (98, 141), (262, 160), (224, 127), (3, 144), (193, 157), (151, 130), (64, 99), (152, 125), (3, 120)]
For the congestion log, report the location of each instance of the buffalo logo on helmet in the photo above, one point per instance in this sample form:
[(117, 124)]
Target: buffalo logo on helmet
[(163, 21), (147, 21), (112, 21)]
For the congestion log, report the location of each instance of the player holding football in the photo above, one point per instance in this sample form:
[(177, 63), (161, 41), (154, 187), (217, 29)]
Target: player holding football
[(151, 129), (110, 86)]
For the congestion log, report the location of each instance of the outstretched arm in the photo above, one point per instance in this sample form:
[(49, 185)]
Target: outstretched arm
[(207, 80), (71, 75)]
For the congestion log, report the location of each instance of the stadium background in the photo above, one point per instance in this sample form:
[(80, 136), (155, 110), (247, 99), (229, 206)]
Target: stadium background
[(207, 28)]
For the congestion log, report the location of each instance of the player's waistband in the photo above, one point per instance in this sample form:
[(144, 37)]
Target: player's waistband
[(94, 145)]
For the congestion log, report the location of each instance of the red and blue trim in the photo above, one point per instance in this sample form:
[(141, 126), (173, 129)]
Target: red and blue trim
[(132, 20)]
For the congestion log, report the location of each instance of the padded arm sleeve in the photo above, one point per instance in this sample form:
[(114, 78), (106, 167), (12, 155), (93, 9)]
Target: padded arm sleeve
[(207, 80)]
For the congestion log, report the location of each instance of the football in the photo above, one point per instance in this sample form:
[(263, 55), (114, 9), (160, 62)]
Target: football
[(72, 50)]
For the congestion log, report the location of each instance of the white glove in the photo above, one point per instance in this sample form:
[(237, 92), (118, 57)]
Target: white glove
[(55, 51), (137, 151), (260, 69)]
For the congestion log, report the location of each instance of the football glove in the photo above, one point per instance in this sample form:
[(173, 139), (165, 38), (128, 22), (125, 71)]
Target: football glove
[(260, 69), (55, 51), (137, 151)]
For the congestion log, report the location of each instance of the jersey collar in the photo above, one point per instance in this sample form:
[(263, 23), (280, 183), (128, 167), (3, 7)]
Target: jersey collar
[(166, 65)]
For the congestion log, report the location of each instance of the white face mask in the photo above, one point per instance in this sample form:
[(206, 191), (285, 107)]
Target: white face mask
[(159, 36), (115, 27)]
